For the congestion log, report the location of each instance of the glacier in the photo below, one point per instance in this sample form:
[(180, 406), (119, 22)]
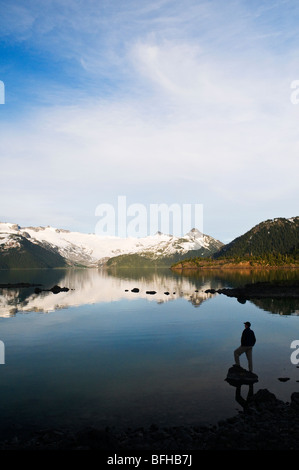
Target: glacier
[(92, 250)]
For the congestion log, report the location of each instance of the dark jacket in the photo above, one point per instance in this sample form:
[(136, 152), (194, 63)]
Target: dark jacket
[(248, 337)]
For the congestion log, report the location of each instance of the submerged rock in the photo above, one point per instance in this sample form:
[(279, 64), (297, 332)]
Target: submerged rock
[(54, 289), (57, 289)]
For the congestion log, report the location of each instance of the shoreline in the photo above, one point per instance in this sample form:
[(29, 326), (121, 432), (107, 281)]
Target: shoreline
[(266, 423), (246, 265), (261, 290)]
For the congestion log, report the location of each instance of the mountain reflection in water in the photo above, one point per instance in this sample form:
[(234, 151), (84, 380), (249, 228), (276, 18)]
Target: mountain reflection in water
[(105, 355), (91, 286)]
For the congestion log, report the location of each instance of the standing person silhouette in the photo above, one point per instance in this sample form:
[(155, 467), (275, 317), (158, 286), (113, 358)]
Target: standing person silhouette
[(247, 342)]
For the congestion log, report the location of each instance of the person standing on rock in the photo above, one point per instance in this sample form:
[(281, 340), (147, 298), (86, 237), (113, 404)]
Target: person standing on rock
[(248, 340)]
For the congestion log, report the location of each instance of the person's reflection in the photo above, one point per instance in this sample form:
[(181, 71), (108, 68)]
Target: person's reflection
[(242, 401), (238, 377)]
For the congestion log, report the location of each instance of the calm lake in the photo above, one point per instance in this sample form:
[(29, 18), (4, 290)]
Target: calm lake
[(102, 355)]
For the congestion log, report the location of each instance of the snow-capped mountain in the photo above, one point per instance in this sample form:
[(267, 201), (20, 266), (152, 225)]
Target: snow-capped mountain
[(93, 250)]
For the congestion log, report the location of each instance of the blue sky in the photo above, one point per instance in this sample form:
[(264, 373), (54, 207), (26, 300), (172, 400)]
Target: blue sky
[(162, 101)]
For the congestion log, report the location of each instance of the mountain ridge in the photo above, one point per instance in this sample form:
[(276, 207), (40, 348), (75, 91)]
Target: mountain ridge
[(279, 235), (273, 242), (66, 248), (17, 251)]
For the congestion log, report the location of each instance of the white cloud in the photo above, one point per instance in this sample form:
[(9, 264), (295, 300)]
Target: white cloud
[(190, 113), (130, 140)]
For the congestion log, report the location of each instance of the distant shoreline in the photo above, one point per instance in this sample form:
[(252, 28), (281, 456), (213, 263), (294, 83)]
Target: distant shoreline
[(260, 290), (198, 265)]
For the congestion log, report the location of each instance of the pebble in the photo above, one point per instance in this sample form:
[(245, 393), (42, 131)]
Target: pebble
[(265, 424)]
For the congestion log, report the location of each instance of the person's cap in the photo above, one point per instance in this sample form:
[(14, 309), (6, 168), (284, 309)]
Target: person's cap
[(247, 323)]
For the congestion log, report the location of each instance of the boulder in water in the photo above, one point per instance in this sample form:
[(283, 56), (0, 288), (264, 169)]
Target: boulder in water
[(238, 375)]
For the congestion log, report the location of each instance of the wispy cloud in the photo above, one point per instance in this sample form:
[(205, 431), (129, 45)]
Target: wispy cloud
[(161, 101)]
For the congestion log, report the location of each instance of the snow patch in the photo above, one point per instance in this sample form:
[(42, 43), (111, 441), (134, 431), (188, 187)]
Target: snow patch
[(90, 248)]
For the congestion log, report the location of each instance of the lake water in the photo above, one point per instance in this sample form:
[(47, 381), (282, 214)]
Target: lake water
[(102, 355)]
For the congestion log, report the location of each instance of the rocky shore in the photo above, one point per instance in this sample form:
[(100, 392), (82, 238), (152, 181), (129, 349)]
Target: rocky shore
[(18, 285), (265, 423), (261, 290)]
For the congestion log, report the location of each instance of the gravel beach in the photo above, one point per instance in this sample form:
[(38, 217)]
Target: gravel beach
[(266, 423)]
